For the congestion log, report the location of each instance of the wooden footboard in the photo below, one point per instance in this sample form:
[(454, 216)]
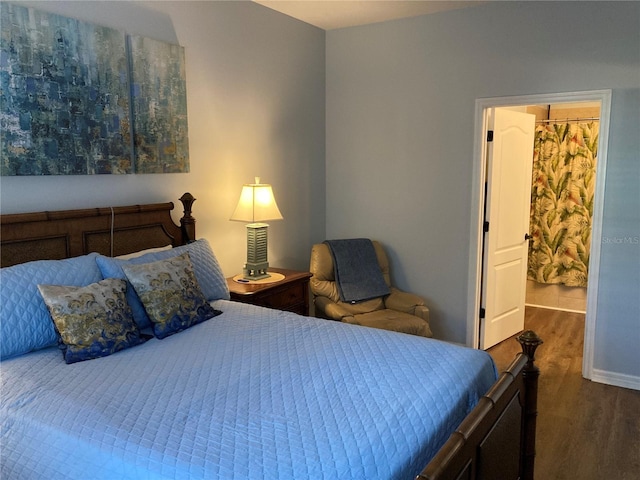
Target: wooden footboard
[(497, 439)]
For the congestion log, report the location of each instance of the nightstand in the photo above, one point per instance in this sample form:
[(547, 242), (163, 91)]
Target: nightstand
[(290, 293)]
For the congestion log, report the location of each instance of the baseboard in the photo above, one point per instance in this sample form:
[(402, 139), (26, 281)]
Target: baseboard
[(616, 379), (554, 308)]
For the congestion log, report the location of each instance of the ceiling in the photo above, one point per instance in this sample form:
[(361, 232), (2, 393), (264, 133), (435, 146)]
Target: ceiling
[(332, 14)]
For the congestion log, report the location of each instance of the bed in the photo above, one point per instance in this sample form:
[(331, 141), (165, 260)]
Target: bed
[(250, 392)]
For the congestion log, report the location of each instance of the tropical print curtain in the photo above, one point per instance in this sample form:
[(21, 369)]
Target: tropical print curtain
[(564, 173)]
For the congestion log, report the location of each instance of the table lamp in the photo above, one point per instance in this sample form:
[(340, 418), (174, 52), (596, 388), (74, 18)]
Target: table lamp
[(256, 206)]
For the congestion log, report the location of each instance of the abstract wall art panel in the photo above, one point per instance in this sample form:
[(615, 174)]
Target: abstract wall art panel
[(81, 99), (159, 102), (64, 96)]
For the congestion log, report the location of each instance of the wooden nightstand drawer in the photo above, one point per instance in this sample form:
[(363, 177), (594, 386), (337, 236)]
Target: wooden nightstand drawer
[(291, 293), (287, 296)]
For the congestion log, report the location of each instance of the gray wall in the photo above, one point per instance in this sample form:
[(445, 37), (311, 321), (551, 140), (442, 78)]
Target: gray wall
[(400, 124), (256, 93)]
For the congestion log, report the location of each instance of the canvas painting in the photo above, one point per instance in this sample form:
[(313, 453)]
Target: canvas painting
[(159, 101), (64, 96)]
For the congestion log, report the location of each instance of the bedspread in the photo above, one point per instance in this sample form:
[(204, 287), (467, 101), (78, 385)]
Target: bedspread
[(252, 393)]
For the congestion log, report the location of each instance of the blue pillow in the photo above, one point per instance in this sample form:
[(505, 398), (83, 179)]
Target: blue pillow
[(26, 323), (93, 321), (205, 266)]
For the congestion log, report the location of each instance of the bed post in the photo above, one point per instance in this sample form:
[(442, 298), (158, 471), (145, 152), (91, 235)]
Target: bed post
[(187, 222), (529, 341)]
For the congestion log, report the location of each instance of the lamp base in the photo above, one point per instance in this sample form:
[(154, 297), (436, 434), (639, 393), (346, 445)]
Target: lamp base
[(257, 264), (259, 276), (255, 271)]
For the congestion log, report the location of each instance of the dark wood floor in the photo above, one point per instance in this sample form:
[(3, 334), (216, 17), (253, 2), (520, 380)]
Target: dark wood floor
[(586, 430)]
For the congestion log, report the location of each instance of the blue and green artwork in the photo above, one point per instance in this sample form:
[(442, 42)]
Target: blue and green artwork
[(64, 96), (78, 99), (159, 100)]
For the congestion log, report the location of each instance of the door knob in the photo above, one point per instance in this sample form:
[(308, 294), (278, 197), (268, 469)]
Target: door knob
[(527, 236)]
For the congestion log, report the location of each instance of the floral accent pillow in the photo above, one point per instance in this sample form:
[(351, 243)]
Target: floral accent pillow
[(205, 266), (92, 321), (170, 294)]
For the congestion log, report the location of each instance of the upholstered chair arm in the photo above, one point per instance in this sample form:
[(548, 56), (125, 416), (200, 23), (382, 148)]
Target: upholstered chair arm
[(328, 308), (407, 302), (422, 311)]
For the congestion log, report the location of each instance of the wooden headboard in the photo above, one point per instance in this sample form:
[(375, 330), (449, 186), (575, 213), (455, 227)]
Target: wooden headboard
[(109, 231)]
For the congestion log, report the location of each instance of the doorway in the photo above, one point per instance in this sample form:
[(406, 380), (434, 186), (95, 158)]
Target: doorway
[(601, 97), (565, 164)]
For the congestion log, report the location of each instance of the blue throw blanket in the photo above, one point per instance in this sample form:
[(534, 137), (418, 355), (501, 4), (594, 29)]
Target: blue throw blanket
[(357, 271)]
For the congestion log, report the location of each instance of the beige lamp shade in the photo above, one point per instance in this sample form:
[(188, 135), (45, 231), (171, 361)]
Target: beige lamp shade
[(256, 204)]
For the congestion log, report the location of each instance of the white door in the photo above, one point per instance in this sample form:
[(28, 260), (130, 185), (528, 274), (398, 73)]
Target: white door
[(509, 167)]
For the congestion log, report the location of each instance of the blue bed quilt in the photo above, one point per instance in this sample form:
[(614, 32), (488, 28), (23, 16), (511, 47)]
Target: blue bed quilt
[(252, 393)]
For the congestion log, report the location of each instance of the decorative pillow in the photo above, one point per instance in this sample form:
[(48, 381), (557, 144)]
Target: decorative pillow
[(205, 265), (93, 321), (170, 294), (25, 321)]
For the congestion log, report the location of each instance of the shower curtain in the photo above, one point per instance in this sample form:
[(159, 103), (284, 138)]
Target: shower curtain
[(564, 174)]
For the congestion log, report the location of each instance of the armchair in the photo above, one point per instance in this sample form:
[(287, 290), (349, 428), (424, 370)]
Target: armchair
[(399, 311)]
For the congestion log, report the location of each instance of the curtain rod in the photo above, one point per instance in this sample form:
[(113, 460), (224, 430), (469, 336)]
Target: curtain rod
[(566, 120)]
